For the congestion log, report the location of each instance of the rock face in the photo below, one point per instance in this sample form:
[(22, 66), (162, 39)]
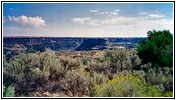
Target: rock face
[(92, 44), (33, 44)]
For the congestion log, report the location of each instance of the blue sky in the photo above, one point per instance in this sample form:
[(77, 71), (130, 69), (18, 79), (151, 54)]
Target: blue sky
[(86, 19)]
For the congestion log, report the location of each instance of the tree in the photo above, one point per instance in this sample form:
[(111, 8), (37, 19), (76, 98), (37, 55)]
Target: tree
[(157, 49)]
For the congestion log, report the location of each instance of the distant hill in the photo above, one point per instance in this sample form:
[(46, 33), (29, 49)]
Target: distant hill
[(108, 43), (39, 43), (92, 44), (34, 44)]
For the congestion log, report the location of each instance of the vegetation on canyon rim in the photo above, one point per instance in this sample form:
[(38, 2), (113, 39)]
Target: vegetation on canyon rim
[(143, 72)]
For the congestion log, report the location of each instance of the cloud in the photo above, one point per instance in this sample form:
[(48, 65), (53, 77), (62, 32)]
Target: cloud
[(30, 21), (156, 16), (93, 22), (81, 20), (143, 13), (109, 13), (11, 9), (4, 19), (118, 26), (14, 28), (114, 12), (94, 11), (118, 21), (125, 26), (106, 21)]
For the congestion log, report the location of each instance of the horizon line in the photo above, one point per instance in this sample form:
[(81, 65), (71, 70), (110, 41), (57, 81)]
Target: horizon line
[(66, 37)]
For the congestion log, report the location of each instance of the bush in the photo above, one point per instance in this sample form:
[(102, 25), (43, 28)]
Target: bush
[(160, 78), (97, 79), (158, 48), (126, 86), (28, 71), (168, 94), (146, 67), (122, 59), (99, 67), (8, 91), (74, 83), (138, 73), (69, 63), (86, 59)]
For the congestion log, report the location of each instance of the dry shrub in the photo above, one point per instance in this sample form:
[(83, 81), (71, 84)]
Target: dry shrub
[(97, 79), (122, 59), (69, 63), (99, 67), (29, 71), (74, 83)]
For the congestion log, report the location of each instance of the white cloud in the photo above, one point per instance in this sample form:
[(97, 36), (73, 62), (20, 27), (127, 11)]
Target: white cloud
[(4, 19), (110, 13), (31, 21), (118, 21), (143, 13), (93, 23), (94, 11), (117, 10), (11, 9), (156, 16), (120, 26), (81, 20), (105, 12), (10, 18)]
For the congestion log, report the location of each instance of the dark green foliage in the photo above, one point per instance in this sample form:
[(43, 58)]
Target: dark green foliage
[(157, 49), (8, 91)]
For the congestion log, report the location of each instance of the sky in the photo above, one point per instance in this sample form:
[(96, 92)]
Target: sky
[(86, 19)]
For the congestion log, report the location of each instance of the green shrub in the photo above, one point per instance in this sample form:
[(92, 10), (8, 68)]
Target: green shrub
[(122, 59), (156, 77), (126, 86), (28, 71), (138, 73), (146, 67), (168, 94), (8, 91), (97, 79), (157, 49)]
